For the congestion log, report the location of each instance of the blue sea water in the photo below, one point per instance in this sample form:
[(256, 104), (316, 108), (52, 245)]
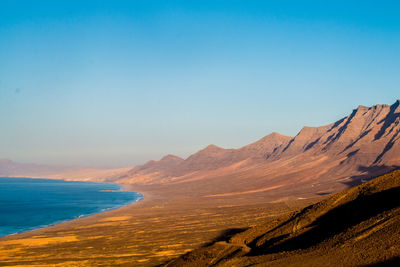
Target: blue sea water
[(27, 204)]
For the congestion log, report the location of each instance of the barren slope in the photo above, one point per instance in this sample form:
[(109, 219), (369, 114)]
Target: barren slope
[(359, 226)]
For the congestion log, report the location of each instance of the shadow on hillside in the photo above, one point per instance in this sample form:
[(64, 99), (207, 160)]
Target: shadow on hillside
[(323, 193), (225, 235), (370, 172), (335, 221)]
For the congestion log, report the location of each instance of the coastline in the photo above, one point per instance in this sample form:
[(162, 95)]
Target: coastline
[(122, 188)]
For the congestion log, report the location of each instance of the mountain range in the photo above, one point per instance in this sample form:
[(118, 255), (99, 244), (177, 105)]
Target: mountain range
[(317, 161)]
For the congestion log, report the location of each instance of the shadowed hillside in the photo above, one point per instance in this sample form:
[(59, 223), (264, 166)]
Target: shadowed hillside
[(357, 227)]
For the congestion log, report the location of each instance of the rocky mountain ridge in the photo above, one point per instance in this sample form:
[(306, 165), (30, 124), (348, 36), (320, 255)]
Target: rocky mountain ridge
[(366, 142)]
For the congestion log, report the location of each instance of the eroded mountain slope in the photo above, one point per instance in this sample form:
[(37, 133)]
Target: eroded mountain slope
[(317, 161)]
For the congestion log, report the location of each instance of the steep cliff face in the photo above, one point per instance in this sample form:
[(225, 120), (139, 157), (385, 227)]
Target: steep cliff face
[(365, 143), (369, 134)]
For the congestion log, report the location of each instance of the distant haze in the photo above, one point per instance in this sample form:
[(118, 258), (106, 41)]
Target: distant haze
[(117, 83)]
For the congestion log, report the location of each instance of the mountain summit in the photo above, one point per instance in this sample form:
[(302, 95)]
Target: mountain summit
[(369, 136)]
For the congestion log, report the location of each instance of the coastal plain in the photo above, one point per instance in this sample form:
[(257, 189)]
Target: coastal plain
[(146, 233)]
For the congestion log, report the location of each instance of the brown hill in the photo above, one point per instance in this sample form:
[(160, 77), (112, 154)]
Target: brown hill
[(210, 158), (357, 227)]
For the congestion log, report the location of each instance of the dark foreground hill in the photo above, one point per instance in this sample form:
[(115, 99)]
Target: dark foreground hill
[(357, 227)]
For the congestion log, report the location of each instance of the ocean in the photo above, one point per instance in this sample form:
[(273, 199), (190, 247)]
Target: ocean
[(27, 204)]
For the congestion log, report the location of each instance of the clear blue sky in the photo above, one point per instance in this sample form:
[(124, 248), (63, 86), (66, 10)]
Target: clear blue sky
[(120, 82)]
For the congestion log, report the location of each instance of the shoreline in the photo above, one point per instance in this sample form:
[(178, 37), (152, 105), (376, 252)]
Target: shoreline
[(122, 188)]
